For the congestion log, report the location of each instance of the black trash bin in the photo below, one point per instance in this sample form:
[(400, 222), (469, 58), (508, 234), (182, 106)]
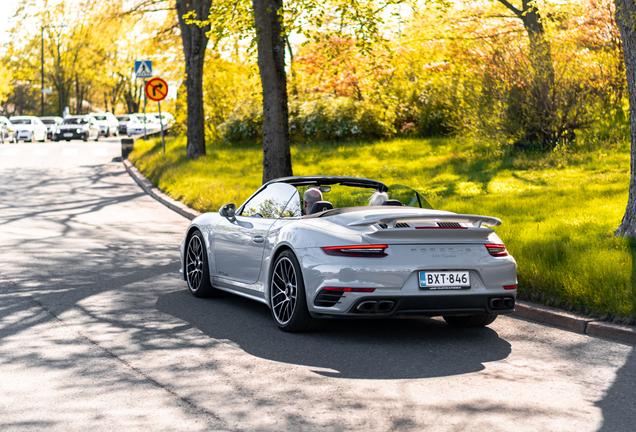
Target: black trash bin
[(127, 144)]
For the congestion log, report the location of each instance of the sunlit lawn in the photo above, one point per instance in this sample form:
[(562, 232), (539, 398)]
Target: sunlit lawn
[(559, 210)]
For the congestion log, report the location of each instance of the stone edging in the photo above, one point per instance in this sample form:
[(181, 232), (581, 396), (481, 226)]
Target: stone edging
[(154, 192), (575, 323), (524, 310)]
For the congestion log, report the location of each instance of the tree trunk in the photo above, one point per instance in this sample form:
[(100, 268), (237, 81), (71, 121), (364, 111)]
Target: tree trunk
[(543, 71), (540, 52), (625, 13), (195, 43), (271, 65)]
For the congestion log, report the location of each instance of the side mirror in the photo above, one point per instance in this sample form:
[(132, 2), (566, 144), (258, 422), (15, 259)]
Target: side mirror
[(228, 211)]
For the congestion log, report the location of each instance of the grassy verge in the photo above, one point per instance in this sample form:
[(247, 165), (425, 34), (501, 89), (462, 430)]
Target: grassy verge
[(559, 210)]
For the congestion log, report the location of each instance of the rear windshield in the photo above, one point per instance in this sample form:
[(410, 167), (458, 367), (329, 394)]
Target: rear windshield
[(75, 121), (21, 121), (100, 118), (123, 118), (48, 121)]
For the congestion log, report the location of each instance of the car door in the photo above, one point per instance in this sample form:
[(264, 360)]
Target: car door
[(239, 242), (39, 130)]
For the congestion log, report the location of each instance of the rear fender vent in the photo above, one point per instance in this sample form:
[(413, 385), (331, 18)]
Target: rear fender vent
[(328, 298)]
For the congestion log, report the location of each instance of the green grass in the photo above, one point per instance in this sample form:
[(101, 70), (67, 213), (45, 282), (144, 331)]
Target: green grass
[(559, 210)]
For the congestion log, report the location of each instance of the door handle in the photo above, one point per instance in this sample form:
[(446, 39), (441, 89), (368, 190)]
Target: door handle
[(258, 239)]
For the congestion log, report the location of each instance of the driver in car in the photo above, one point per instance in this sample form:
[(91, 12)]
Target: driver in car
[(311, 196)]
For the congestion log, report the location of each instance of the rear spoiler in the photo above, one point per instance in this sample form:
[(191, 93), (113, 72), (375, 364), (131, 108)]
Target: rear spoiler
[(392, 220)]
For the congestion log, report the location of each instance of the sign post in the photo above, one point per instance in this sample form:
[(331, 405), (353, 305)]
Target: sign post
[(143, 69), (157, 90)]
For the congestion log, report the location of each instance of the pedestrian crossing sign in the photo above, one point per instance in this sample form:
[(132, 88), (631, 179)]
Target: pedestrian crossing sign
[(143, 68)]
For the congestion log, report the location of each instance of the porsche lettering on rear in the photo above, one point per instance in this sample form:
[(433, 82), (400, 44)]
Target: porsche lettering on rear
[(322, 247)]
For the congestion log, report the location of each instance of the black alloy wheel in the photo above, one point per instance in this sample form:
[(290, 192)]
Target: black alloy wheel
[(287, 298), (197, 270)]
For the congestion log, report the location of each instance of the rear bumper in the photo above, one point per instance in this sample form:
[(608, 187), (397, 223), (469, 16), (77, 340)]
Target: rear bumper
[(439, 305)]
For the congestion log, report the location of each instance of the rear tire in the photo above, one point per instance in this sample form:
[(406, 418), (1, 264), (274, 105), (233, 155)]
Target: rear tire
[(196, 268), (287, 298), (478, 320)]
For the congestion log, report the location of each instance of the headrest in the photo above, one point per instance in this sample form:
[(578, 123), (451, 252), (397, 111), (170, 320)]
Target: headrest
[(392, 203), (320, 206)]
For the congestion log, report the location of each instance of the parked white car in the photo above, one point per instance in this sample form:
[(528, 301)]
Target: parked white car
[(123, 123), (108, 123), (7, 131), (136, 124), (167, 119), (29, 128), (51, 125)]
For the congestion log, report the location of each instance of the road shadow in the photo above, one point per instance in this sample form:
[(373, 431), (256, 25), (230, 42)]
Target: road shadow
[(619, 403), (362, 349)]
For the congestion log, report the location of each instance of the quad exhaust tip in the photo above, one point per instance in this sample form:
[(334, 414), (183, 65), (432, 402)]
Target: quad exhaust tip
[(385, 306), (496, 303), (369, 306), (502, 303)]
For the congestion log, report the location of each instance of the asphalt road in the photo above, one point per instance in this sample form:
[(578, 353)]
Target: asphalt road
[(97, 332)]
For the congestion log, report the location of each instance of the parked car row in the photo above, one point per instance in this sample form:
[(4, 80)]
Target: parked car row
[(85, 127), (137, 124)]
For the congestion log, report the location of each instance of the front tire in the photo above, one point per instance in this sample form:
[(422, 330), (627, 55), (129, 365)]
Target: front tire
[(197, 269), (287, 298), (478, 320)]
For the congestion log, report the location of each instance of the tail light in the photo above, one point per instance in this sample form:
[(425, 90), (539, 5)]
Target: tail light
[(497, 250), (340, 289), (368, 251), (510, 286)]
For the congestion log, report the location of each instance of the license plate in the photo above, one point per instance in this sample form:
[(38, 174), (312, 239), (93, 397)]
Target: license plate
[(445, 280), (68, 135)]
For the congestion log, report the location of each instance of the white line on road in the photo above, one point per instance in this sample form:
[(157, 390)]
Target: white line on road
[(40, 152), (69, 152), (11, 152), (100, 152)]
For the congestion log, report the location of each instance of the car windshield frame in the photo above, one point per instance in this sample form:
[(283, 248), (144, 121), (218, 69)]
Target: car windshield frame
[(75, 121), (408, 197)]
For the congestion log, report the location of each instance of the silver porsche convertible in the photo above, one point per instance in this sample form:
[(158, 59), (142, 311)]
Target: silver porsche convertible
[(345, 258)]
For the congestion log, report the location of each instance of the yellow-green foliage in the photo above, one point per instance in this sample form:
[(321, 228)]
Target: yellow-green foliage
[(559, 210)]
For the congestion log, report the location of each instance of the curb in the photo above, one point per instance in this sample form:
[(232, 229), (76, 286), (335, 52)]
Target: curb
[(523, 310), (154, 192), (573, 322)]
